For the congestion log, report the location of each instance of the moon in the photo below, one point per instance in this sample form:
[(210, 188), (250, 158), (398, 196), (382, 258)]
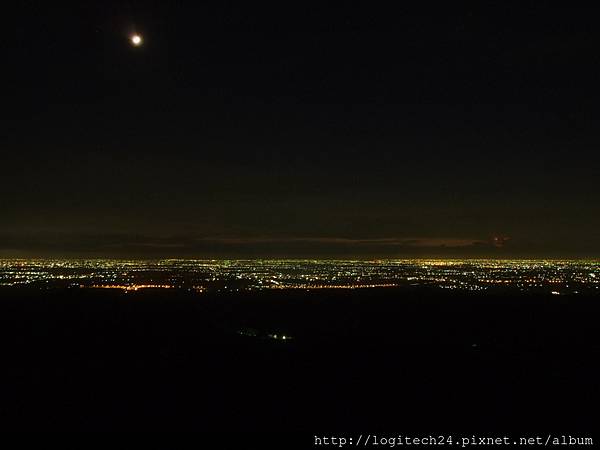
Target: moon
[(136, 40)]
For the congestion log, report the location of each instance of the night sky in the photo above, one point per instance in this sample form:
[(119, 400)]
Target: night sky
[(300, 131)]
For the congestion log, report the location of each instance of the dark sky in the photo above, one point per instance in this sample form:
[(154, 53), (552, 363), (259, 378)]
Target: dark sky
[(304, 130)]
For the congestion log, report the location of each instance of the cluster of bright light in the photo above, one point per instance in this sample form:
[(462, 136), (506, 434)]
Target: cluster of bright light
[(236, 275), (136, 40)]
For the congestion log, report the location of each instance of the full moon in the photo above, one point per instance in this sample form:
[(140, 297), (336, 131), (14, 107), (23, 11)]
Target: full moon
[(136, 40)]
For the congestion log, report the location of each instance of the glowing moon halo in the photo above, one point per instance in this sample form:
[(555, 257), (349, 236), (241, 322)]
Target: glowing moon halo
[(136, 40)]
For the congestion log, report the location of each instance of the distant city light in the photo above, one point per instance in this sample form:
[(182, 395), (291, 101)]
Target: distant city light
[(556, 277), (136, 40)]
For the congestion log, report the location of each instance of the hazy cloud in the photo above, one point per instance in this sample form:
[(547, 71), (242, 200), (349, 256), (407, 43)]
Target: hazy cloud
[(122, 245)]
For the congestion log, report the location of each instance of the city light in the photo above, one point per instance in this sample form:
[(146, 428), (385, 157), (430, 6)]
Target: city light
[(136, 40), (557, 277)]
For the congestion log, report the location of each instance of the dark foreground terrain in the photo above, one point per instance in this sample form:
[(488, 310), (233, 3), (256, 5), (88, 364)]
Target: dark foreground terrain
[(362, 360)]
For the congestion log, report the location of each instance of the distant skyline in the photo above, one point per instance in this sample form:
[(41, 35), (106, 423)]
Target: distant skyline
[(138, 246), (314, 131)]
